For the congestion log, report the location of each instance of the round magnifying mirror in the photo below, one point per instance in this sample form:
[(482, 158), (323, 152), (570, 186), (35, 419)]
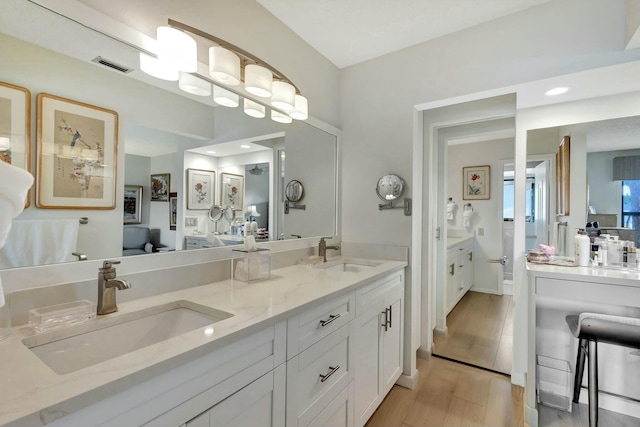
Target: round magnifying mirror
[(215, 213), (294, 191), (390, 187), (229, 213)]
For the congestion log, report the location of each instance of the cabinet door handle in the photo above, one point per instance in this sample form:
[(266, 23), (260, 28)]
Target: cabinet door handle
[(331, 318), (471, 256), (332, 371), (451, 267), (385, 324), (390, 316)]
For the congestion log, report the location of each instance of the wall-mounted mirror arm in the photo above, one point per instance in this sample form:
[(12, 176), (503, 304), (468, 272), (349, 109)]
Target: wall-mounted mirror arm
[(406, 206), (292, 205)]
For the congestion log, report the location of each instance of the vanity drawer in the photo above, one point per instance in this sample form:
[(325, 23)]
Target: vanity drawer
[(317, 374), (316, 323), (377, 290)]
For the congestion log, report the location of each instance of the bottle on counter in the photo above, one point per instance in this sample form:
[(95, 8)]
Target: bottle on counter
[(583, 248)]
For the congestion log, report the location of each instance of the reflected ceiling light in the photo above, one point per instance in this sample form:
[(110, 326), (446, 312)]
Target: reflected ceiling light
[(283, 96), (245, 146), (556, 91), (224, 66), (177, 49), (155, 68), (5, 143), (194, 85), (277, 116), (300, 109), (224, 97), (253, 109), (211, 152), (258, 80)]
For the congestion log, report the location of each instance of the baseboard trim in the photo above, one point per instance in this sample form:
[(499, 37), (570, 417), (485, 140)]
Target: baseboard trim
[(408, 381), (507, 287), (441, 332), (613, 402), (518, 379), (421, 353), (484, 290), (531, 416)]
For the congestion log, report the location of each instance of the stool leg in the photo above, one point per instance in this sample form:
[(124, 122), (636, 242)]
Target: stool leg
[(593, 384), (582, 352)]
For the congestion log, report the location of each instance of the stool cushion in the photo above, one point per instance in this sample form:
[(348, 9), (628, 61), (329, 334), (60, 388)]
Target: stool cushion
[(618, 330)]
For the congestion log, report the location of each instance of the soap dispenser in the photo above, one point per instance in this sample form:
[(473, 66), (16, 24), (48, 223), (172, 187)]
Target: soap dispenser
[(583, 251)]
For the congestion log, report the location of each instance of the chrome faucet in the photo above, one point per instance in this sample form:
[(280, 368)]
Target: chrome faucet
[(107, 285), (322, 248)]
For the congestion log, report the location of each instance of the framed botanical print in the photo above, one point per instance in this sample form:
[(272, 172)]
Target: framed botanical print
[(232, 191), (77, 155), (160, 186), (132, 204), (15, 127), (201, 188), (476, 183)]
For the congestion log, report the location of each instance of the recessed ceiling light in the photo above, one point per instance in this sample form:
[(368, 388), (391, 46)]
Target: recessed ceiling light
[(245, 146), (556, 91), (211, 152)]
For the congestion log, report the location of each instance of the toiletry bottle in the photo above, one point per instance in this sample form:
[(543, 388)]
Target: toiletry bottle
[(247, 228), (632, 256), (603, 251), (583, 246)]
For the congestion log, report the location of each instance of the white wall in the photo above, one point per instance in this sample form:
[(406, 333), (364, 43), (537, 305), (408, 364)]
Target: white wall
[(488, 213), (137, 172), (604, 193)]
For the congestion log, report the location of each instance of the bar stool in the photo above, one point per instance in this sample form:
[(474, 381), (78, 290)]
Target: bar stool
[(590, 329)]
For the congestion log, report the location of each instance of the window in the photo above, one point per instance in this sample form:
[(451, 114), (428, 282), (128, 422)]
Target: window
[(630, 204), (508, 199)]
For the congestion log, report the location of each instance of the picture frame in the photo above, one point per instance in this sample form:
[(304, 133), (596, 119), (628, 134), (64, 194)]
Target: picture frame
[(173, 210), (476, 182), (160, 186), (15, 128), (77, 148), (200, 189), (232, 191), (132, 204)]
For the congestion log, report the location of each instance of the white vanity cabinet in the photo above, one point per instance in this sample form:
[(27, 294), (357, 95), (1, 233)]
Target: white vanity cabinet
[(378, 342), (459, 272)]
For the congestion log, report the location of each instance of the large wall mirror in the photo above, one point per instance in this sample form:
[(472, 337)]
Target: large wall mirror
[(163, 132)]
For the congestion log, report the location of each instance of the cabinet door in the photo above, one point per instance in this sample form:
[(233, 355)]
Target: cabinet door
[(338, 413), (452, 283), (468, 269), (367, 352), (392, 340)]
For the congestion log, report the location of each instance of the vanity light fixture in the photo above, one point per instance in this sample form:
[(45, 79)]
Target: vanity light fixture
[(225, 97), (177, 51), (556, 91), (194, 85)]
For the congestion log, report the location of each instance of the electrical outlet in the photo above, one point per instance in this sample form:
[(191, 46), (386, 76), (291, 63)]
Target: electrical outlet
[(481, 231), (191, 221)]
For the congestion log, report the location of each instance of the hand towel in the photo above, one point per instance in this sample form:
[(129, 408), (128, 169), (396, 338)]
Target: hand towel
[(451, 209), (466, 216), (14, 185)]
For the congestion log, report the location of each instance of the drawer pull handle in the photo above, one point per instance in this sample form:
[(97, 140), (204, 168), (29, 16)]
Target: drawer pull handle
[(388, 314), (332, 370), (331, 318)]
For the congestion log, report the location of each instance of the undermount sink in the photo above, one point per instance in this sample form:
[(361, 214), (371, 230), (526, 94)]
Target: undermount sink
[(350, 266), (70, 349)]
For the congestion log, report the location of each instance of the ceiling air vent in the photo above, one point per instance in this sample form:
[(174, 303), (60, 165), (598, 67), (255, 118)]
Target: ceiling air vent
[(111, 64)]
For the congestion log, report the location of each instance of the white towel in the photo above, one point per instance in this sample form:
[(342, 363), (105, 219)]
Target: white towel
[(38, 242), (451, 210), (14, 185), (466, 216)]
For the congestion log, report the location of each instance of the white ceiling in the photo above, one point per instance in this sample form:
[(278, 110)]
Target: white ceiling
[(351, 31)]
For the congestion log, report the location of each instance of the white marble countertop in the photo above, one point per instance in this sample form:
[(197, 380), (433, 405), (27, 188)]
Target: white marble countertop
[(455, 240), (31, 394), (587, 274)]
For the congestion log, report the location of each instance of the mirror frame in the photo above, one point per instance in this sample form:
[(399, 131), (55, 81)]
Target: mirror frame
[(294, 191), (390, 197)]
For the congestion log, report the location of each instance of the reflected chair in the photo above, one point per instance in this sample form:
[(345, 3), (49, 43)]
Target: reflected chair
[(136, 241), (591, 329)]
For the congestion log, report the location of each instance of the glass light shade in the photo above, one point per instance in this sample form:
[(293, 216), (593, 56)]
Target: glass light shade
[(178, 49), (5, 143), (253, 109), (225, 98), (258, 80), (194, 85), (300, 110), (158, 69), (224, 66), (283, 95), (277, 116)]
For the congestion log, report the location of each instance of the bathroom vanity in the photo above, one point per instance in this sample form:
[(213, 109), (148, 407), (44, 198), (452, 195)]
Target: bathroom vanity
[(459, 269), (315, 345), (554, 293)]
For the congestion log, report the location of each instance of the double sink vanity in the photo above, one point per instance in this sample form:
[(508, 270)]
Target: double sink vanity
[(317, 344)]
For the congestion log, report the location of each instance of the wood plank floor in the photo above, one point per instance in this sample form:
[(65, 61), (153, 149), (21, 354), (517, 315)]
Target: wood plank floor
[(480, 332), (453, 395)]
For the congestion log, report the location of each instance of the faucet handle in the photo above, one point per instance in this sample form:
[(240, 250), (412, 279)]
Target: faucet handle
[(328, 237), (109, 264)]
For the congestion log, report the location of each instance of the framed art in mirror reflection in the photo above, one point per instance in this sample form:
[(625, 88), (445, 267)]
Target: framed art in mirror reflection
[(160, 185), (200, 189), (132, 204)]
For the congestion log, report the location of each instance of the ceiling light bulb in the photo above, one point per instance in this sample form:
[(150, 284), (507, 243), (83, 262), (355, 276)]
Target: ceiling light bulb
[(301, 109), (277, 116), (283, 95), (5, 143), (556, 91), (178, 49), (158, 69), (258, 80), (224, 66), (194, 85), (253, 109), (225, 97)]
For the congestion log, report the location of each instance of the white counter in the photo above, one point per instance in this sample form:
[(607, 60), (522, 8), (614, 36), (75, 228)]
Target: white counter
[(31, 394), (453, 241)]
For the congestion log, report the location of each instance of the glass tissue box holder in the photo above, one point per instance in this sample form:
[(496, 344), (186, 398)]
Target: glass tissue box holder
[(251, 266), (46, 318)]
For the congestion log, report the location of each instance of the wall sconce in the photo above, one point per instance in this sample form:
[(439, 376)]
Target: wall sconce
[(177, 56)]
